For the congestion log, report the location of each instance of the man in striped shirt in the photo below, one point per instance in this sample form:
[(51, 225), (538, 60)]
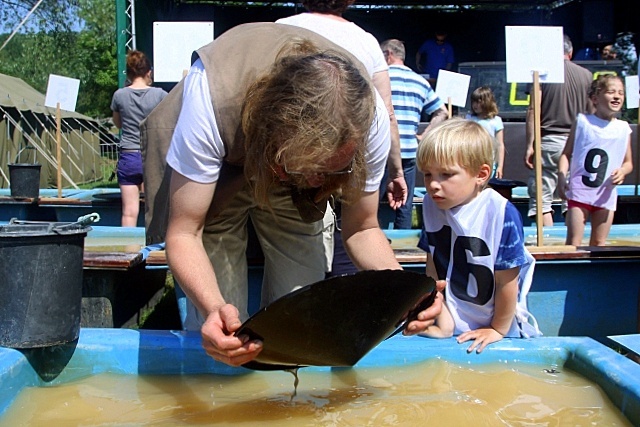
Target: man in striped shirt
[(410, 94)]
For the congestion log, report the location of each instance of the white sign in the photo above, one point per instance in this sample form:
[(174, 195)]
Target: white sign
[(63, 90), (453, 86), (173, 44), (631, 86), (530, 49)]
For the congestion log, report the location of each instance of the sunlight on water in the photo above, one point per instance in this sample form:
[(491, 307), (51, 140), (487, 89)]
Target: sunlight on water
[(114, 244)]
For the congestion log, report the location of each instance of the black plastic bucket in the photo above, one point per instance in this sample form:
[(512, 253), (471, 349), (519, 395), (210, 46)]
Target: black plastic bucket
[(24, 180), (40, 283)]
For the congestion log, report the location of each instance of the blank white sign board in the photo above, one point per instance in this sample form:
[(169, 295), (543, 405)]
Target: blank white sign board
[(631, 86), (173, 44), (63, 90), (530, 49), (453, 85)]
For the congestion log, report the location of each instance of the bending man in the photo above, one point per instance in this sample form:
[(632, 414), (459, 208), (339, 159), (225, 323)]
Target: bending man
[(272, 121)]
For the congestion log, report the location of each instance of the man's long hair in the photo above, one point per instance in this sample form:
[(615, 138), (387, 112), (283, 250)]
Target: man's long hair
[(302, 111)]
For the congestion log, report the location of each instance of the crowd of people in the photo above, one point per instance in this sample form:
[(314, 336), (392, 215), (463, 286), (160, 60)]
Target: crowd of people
[(304, 134)]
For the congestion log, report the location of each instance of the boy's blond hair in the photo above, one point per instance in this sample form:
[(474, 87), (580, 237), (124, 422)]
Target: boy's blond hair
[(456, 141)]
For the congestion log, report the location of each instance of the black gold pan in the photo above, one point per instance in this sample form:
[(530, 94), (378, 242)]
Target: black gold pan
[(335, 322)]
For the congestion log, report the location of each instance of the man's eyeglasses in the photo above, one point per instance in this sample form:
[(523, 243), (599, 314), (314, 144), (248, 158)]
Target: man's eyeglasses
[(345, 171)]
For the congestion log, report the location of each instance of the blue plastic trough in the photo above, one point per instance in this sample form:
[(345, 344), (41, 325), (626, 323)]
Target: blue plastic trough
[(116, 238), (29, 209), (174, 353), (105, 201), (73, 204)]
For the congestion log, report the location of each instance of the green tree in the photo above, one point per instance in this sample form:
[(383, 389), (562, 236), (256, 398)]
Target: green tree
[(87, 53), (97, 45)]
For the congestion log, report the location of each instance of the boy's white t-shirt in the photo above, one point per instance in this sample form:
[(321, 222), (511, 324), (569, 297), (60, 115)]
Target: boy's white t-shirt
[(197, 150), (474, 231)]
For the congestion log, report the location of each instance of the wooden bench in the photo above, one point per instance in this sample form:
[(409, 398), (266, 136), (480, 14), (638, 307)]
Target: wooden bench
[(117, 288), (413, 256)]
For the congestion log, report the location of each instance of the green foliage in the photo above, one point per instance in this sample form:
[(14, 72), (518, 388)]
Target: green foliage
[(87, 54), (33, 57)]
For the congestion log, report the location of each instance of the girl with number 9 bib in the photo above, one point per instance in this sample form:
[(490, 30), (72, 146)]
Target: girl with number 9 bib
[(473, 238), (598, 157)]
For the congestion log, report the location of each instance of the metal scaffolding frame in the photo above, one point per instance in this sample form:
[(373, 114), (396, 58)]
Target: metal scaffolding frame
[(126, 35)]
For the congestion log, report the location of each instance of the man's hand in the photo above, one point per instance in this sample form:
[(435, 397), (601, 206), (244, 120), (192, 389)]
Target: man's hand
[(219, 341), (397, 192), (528, 158), (427, 317)]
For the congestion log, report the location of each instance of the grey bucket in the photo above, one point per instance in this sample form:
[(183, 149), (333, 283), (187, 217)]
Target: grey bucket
[(24, 180), (40, 283)]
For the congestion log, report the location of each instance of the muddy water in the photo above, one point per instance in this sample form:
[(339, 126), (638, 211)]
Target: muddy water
[(434, 393), (114, 244)]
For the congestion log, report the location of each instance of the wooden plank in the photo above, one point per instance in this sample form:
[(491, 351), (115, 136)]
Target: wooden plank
[(111, 260), (63, 201), (417, 255), (410, 256), (156, 258), (549, 248), (20, 201), (612, 251), (559, 252), (402, 255)]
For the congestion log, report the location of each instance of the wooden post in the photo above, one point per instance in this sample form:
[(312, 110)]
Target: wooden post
[(535, 98), (59, 149), (636, 164)]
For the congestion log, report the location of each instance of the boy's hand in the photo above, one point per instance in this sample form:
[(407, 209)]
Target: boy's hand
[(481, 338)]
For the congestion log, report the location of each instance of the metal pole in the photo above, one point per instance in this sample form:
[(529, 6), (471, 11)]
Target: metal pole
[(132, 23), (122, 23)]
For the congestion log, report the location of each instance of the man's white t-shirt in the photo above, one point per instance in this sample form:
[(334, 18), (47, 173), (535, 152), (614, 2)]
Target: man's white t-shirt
[(197, 151), (349, 36)]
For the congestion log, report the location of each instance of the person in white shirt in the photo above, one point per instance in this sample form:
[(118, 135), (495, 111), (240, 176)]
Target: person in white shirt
[(269, 135)]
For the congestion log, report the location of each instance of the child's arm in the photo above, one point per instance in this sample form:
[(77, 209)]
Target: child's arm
[(444, 325), (500, 159), (506, 298), (618, 175), (563, 164)]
